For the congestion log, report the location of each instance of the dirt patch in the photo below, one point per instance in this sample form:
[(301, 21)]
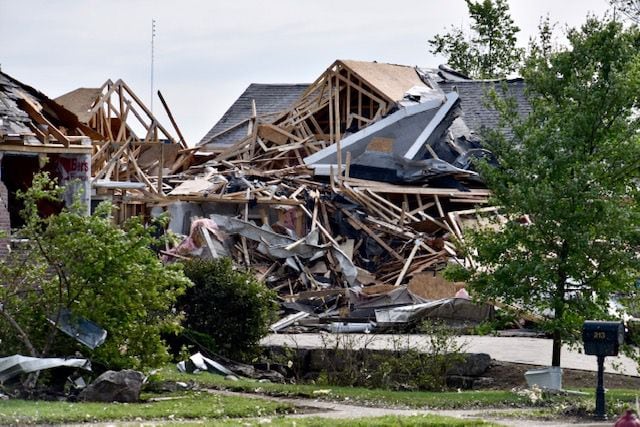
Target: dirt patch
[(508, 375)]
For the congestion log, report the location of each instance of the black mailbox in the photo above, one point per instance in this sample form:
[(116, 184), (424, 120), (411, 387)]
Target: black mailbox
[(602, 338)]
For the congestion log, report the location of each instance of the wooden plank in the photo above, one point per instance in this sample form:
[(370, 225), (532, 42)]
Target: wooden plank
[(396, 189), (336, 112), (160, 166), (146, 110), (111, 161), (38, 117), (181, 141), (274, 134), (45, 148), (403, 272), (373, 235), (143, 177), (390, 207)]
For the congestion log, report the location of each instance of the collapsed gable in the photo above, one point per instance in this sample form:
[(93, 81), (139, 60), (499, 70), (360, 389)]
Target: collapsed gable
[(403, 135)]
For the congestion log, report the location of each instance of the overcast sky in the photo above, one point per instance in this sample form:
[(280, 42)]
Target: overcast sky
[(208, 51)]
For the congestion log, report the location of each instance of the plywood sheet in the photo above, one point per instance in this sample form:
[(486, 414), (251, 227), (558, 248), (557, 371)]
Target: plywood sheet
[(194, 186), (430, 285), (391, 80), (379, 144)]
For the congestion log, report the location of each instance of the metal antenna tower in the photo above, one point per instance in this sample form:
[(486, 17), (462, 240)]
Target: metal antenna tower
[(630, 8), (153, 37)]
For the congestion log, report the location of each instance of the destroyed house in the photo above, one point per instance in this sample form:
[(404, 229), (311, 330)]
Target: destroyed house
[(37, 134), (103, 140), (412, 114), (345, 195)]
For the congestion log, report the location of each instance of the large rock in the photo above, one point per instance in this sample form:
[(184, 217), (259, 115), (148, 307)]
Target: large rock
[(112, 386), (474, 365)]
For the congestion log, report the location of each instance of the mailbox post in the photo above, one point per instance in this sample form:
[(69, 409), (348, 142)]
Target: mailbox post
[(602, 339)]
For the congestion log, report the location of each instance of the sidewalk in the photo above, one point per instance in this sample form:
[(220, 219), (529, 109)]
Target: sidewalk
[(532, 351)]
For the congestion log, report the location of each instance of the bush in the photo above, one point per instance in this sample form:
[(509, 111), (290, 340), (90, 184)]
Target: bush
[(229, 305), (349, 360)]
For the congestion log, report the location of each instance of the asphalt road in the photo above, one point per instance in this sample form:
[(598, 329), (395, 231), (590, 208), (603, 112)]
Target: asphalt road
[(532, 351)]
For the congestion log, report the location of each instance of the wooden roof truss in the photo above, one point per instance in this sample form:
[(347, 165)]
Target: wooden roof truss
[(339, 100), (119, 153)]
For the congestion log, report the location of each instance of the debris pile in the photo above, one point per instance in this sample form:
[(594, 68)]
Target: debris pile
[(348, 202)]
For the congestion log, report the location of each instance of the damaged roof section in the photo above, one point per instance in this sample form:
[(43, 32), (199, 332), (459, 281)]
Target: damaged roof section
[(14, 122), (132, 151), (388, 122), (477, 112), (269, 100), (80, 101), (30, 118), (388, 149)]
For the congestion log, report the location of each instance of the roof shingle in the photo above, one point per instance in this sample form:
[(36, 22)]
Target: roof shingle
[(270, 99), (477, 113)]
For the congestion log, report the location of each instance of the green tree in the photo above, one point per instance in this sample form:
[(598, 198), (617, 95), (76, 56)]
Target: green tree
[(88, 265), (490, 50), (572, 166)]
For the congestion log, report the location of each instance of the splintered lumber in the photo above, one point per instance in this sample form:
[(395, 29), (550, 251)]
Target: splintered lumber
[(408, 262), (323, 234), (397, 189), (182, 141), (35, 115), (373, 235)]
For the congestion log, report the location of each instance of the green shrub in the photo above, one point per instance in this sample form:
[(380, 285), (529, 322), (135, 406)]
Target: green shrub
[(349, 360), (229, 305)]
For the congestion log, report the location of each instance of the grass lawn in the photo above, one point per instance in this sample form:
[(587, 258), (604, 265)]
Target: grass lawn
[(390, 421), (553, 407), (372, 397), (197, 409), (185, 405), (549, 407)]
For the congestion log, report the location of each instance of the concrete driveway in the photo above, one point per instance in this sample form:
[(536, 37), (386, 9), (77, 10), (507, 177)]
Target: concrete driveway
[(532, 351)]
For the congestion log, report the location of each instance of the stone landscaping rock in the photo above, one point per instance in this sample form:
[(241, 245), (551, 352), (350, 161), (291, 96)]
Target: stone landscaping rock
[(122, 386), (483, 382), (474, 365)]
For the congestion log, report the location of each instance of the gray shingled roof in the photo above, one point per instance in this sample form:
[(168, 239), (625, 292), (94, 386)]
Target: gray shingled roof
[(14, 121), (270, 99), (476, 112)]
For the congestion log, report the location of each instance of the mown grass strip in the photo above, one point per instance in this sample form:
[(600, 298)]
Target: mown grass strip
[(388, 421), (177, 406), (374, 397)]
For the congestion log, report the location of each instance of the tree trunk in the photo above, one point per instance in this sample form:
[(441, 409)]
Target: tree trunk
[(558, 305)]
